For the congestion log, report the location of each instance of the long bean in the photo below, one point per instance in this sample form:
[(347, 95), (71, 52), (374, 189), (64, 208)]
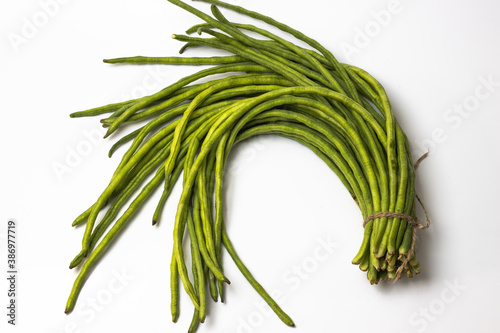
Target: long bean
[(271, 86)]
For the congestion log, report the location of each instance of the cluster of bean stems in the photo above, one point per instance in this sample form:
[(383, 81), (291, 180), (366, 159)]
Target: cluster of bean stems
[(271, 86)]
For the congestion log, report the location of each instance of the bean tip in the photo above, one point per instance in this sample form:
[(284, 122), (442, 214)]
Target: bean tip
[(154, 222)]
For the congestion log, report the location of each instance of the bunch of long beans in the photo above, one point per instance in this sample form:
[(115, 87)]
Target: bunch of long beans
[(271, 86)]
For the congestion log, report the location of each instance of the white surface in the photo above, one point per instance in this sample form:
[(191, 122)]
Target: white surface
[(282, 201)]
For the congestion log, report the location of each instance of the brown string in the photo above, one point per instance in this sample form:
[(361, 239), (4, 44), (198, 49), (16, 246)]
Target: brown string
[(423, 157), (415, 223)]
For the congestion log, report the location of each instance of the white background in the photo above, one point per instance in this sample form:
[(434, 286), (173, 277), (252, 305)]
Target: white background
[(282, 202)]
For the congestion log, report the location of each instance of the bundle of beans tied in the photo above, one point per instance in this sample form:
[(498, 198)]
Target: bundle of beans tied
[(270, 86)]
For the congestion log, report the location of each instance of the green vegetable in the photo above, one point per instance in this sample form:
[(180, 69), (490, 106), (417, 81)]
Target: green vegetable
[(337, 110)]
